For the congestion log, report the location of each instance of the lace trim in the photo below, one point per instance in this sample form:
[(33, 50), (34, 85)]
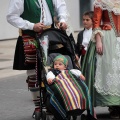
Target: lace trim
[(110, 5), (95, 31), (112, 79)]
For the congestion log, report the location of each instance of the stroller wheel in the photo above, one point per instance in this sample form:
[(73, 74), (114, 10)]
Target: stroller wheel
[(74, 117), (49, 117), (43, 115), (83, 117), (37, 115)]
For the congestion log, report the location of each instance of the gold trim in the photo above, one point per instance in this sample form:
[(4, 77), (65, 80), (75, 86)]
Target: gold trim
[(47, 27)]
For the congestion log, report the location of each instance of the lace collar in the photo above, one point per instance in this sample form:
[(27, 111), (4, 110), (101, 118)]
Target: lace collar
[(110, 5)]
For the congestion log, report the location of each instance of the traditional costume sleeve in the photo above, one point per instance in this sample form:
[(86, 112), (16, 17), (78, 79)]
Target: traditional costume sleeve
[(16, 8), (61, 10), (97, 22), (78, 47), (76, 72), (50, 75)]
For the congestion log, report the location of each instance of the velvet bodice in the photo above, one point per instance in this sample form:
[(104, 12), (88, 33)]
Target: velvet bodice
[(101, 19)]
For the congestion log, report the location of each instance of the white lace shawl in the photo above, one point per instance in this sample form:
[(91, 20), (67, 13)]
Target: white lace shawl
[(110, 5)]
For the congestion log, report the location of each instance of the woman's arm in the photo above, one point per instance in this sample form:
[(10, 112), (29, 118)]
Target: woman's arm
[(97, 32)]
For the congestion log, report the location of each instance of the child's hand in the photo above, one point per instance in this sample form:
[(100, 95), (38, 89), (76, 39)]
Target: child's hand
[(50, 81), (82, 77)]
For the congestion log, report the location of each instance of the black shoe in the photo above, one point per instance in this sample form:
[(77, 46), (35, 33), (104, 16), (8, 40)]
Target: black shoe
[(74, 117), (114, 114), (53, 118), (90, 117)]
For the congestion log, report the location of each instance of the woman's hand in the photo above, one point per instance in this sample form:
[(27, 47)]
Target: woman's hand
[(99, 45)]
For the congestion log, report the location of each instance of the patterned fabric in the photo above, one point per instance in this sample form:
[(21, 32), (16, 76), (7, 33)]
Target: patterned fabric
[(91, 61), (107, 77), (62, 59), (68, 89), (42, 11), (54, 101), (71, 93), (29, 49), (110, 5)]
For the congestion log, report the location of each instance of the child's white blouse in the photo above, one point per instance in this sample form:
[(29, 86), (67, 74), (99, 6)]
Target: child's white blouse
[(76, 72)]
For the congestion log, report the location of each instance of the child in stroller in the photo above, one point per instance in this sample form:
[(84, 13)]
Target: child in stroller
[(60, 64), (65, 85)]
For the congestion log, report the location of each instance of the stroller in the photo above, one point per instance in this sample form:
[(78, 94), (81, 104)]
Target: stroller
[(58, 42)]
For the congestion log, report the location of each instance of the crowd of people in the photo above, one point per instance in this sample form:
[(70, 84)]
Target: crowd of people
[(97, 47)]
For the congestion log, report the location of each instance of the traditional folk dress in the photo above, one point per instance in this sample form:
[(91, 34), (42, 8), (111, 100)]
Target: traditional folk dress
[(102, 72), (29, 16)]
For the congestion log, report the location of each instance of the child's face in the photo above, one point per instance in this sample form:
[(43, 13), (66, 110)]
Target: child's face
[(59, 65), (87, 22)]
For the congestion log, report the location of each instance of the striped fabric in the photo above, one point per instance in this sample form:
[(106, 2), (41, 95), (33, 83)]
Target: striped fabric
[(29, 49), (71, 93), (54, 101)]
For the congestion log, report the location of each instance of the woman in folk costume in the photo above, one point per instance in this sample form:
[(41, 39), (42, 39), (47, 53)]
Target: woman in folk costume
[(101, 65), (32, 17)]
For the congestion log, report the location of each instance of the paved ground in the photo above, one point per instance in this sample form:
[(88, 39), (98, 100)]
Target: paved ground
[(15, 100), (6, 59), (16, 103)]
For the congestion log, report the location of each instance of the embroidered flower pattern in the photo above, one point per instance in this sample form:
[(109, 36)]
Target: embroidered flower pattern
[(109, 84)]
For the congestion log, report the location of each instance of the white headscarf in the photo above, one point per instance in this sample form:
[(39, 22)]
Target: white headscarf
[(110, 5)]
